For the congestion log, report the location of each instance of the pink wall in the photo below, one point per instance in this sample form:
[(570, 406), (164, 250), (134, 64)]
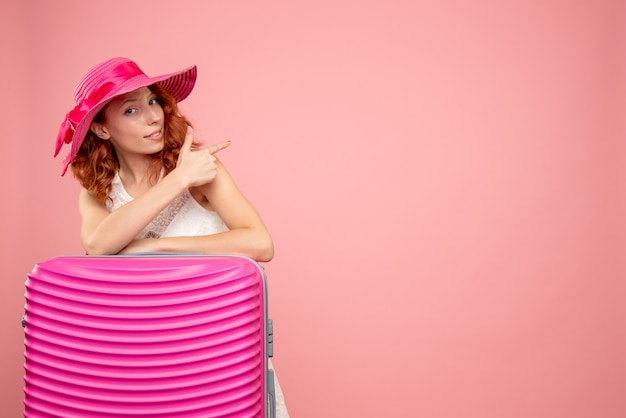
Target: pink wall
[(444, 181)]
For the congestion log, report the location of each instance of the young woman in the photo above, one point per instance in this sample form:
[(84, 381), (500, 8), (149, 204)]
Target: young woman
[(147, 186)]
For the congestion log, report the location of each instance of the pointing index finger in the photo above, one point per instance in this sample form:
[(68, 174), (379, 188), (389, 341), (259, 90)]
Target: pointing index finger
[(213, 149)]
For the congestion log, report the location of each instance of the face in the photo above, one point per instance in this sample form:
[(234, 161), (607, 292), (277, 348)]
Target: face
[(133, 123)]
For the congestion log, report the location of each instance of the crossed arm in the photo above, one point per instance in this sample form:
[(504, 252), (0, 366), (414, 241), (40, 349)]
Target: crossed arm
[(104, 232)]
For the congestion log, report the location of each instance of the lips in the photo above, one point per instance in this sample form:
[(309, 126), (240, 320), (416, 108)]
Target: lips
[(154, 135)]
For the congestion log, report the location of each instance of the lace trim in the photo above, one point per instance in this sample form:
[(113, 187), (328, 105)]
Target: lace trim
[(159, 224)]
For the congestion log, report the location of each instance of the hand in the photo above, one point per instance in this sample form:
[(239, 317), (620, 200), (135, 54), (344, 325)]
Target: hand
[(198, 165)]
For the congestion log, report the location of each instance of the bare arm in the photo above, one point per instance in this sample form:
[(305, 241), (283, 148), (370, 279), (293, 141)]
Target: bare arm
[(246, 235), (109, 233)]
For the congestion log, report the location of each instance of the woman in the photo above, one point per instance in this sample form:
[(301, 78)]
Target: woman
[(147, 187)]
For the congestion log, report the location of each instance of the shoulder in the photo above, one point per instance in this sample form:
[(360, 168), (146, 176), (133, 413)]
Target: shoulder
[(87, 200), (222, 185), (86, 195)]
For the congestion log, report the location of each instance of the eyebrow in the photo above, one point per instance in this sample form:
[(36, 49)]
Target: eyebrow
[(134, 98)]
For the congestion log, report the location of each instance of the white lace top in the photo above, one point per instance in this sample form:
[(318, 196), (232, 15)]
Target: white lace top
[(183, 217)]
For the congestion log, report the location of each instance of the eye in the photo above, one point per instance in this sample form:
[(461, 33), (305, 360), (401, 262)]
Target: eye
[(153, 101), (130, 111)]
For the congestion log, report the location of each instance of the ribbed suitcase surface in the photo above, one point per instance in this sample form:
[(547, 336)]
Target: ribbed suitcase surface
[(153, 336)]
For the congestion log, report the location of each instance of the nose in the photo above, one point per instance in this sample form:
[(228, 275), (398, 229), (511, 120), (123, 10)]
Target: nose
[(154, 114)]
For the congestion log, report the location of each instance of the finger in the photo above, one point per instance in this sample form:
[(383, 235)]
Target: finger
[(186, 145), (188, 138), (218, 147)]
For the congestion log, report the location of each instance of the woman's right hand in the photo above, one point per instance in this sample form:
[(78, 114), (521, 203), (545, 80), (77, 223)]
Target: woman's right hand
[(198, 165)]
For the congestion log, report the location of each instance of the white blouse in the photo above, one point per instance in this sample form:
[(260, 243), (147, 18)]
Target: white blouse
[(183, 217)]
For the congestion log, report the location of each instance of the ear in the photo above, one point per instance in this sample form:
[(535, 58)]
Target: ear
[(100, 130)]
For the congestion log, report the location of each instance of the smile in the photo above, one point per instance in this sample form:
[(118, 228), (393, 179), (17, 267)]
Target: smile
[(155, 135)]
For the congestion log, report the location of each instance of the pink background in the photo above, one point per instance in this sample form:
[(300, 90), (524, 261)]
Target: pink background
[(444, 181)]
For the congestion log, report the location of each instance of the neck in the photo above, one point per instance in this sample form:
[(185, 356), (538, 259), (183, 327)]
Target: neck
[(138, 172)]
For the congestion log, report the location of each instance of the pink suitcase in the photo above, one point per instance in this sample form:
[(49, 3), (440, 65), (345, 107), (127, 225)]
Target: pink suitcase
[(155, 335)]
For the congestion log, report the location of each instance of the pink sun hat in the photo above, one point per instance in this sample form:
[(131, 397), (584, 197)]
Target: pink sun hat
[(102, 83)]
